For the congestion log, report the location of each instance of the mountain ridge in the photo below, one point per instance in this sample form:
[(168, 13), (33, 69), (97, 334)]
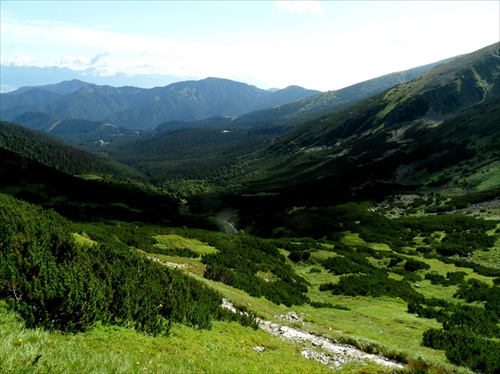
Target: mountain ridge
[(189, 101), (327, 102), (425, 132), (284, 142), (15, 77), (61, 88), (139, 108)]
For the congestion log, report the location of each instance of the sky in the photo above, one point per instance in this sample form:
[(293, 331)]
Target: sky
[(323, 45)]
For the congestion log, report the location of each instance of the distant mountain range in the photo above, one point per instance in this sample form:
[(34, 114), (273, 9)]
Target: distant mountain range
[(404, 137), (207, 102), (138, 108), (292, 113), (15, 77)]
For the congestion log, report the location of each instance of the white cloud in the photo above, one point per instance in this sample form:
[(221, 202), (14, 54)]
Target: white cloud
[(99, 57), (296, 7), (73, 61), (22, 59), (93, 48)]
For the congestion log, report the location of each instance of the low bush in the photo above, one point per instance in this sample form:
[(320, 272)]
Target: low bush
[(467, 329), (55, 283), (475, 290), (375, 284), (452, 278), (465, 349), (324, 304), (414, 265), (347, 265), (297, 255), (238, 260)]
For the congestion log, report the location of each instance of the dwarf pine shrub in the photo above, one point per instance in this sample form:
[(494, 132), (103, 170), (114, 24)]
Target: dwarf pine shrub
[(55, 283)]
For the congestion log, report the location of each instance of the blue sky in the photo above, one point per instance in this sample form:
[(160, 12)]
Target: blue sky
[(323, 45)]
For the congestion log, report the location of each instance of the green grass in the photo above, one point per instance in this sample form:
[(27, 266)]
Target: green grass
[(191, 266), (180, 242), (321, 255), (486, 177), (352, 239), (490, 258), (371, 319), (83, 239), (227, 348), (90, 177), (442, 269), (380, 324)]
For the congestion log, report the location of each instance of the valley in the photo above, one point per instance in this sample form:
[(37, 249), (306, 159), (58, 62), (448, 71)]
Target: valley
[(353, 231)]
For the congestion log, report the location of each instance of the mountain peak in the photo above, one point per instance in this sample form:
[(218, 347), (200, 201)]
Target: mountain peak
[(62, 88)]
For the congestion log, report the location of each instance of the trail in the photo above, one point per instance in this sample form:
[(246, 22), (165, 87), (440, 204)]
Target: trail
[(324, 350)]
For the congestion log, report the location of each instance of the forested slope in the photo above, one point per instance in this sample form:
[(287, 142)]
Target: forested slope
[(53, 152)]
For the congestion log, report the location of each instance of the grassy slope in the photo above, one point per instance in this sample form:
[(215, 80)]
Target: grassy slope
[(374, 324), (227, 348), (383, 321)]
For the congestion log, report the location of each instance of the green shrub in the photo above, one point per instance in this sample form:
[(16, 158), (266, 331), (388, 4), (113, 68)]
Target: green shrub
[(475, 320), (375, 284), (297, 256), (475, 290), (414, 265), (324, 304), (240, 257), (436, 278), (55, 283), (455, 277), (465, 349)]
